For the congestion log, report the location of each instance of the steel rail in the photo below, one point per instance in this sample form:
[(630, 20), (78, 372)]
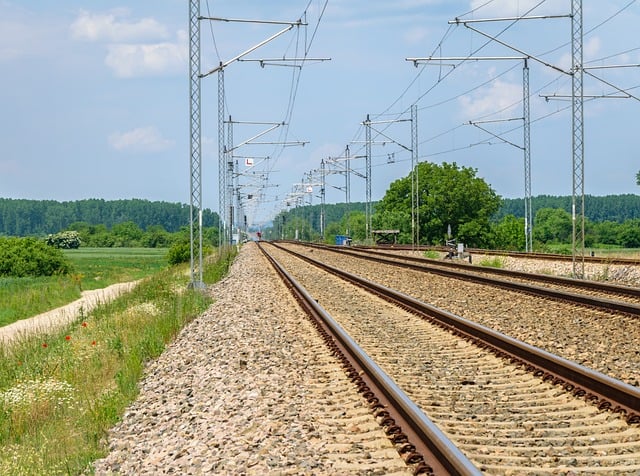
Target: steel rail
[(605, 392), (517, 254), (544, 278), (437, 268), (423, 444)]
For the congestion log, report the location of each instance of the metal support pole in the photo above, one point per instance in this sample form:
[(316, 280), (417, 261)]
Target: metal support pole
[(229, 181), (237, 200), (415, 183), (195, 165), (367, 124), (322, 197), (222, 152), (347, 184), (528, 220), (578, 138)]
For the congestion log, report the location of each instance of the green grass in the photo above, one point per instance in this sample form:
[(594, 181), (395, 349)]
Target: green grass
[(493, 262), (60, 393), (26, 297), (101, 267), (94, 268)]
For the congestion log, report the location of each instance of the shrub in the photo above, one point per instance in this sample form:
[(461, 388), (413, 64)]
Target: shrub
[(66, 240), (179, 253), (20, 257)]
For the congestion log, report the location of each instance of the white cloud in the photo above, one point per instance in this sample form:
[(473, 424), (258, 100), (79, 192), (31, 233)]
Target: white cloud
[(414, 36), (134, 60), (133, 48), (500, 96), (111, 27), (24, 34), (141, 139)]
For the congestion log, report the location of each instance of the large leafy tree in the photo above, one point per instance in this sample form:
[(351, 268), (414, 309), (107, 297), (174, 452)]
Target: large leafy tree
[(448, 196)]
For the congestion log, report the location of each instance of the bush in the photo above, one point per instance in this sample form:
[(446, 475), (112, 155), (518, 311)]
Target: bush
[(66, 240), (20, 257), (179, 253)]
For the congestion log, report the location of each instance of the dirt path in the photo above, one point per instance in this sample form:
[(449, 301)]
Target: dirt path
[(61, 316)]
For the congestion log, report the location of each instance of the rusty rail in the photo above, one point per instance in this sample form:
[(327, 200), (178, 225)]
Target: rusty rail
[(419, 441), (597, 388)]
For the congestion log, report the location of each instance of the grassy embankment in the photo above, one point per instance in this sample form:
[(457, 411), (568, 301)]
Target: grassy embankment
[(61, 392), (94, 268)]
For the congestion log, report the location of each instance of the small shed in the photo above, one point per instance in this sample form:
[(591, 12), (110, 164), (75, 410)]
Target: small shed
[(385, 237)]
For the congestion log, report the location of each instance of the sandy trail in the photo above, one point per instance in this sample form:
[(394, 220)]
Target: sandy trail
[(61, 316)]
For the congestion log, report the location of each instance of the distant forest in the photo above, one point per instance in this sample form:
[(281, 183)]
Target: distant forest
[(19, 217), (615, 208)]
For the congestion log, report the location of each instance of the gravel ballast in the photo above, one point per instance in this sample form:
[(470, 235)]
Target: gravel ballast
[(249, 388)]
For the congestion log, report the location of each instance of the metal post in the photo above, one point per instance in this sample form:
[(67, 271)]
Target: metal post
[(222, 152), (415, 183), (347, 154), (322, 197), (528, 217), (229, 181), (578, 139), (367, 124), (195, 166)]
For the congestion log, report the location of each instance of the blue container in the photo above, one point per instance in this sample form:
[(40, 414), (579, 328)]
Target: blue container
[(342, 240)]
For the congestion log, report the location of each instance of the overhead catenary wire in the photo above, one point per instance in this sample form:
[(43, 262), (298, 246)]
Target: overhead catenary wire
[(443, 77)]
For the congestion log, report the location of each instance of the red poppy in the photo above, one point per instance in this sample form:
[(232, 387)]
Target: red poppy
[(84, 324), (44, 344), (67, 337), (93, 342)]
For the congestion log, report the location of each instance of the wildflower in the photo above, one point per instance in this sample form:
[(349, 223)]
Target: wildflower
[(84, 324), (93, 342), (67, 337), (44, 344)]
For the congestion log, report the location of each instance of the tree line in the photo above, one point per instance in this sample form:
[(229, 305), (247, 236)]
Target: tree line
[(21, 217), (615, 208), (454, 202)]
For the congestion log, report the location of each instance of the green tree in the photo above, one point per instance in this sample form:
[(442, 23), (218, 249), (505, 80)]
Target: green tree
[(552, 225), (448, 195), (638, 178), (126, 234), (509, 234), (630, 234), (155, 237)]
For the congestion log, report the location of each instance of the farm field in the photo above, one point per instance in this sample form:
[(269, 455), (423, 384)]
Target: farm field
[(94, 268)]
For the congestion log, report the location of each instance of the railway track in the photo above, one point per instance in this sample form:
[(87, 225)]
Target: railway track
[(507, 411), (603, 340), (590, 293), (516, 254)]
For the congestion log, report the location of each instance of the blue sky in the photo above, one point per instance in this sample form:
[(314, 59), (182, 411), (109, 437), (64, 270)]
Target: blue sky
[(94, 96)]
